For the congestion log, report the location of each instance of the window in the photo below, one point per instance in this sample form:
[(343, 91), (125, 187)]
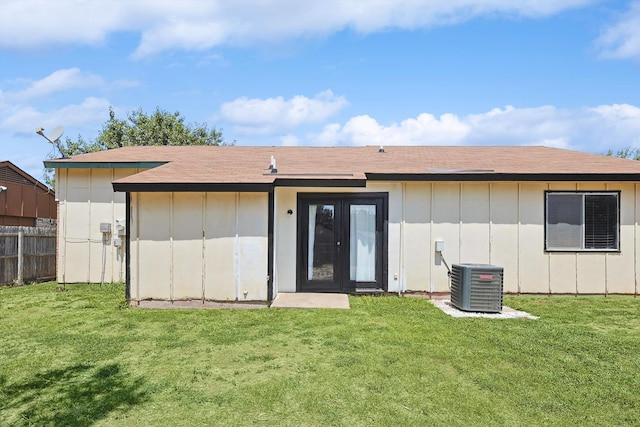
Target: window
[(582, 221)]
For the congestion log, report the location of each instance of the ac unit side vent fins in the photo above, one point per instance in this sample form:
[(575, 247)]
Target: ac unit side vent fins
[(477, 287)]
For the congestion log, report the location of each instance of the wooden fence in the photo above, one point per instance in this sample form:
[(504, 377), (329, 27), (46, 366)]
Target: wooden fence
[(27, 254)]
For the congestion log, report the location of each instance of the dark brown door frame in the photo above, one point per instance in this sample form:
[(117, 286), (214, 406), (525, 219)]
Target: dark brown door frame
[(341, 200)]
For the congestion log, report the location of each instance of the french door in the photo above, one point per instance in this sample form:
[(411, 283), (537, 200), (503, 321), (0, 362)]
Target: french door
[(341, 242)]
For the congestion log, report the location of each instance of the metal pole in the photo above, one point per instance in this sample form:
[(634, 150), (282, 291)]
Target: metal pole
[(20, 258)]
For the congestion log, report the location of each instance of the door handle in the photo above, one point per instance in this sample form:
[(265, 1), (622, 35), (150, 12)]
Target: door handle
[(338, 243)]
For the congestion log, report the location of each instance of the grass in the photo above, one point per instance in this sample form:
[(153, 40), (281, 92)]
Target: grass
[(77, 358)]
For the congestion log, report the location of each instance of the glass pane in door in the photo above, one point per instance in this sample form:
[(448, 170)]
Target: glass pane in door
[(362, 243), (321, 242)]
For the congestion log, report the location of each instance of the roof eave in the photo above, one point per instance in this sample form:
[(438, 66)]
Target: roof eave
[(540, 177), (62, 164), (155, 187), (319, 182)]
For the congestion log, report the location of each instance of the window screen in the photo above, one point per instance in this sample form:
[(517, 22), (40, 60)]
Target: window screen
[(582, 221)]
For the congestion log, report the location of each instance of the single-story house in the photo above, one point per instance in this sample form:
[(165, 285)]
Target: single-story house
[(237, 223)]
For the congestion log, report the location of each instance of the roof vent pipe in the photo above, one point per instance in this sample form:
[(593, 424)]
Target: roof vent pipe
[(381, 149), (272, 166)]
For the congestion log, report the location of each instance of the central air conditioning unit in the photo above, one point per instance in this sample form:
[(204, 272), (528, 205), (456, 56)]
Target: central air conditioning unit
[(477, 287)]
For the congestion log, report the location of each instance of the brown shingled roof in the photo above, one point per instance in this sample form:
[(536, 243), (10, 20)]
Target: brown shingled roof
[(250, 165)]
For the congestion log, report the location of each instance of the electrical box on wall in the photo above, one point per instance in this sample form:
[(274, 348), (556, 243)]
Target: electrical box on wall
[(117, 242), (439, 246), (105, 227), (121, 227)]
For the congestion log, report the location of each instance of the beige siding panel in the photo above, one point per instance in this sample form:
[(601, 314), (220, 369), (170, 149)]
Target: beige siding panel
[(393, 228), (220, 219), (61, 197), (474, 223), (533, 262), (620, 277), (620, 266), (77, 227), (587, 186), (187, 245), (285, 239), (252, 246), (591, 272), (504, 232), (134, 246), (154, 258), (563, 273), (445, 227), (101, 211), (637, 238), (418, 247)]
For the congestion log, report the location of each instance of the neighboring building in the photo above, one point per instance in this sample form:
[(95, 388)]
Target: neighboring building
[(24, 200), (245, 223)]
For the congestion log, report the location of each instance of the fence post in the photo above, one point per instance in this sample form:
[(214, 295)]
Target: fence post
[(20, 257)]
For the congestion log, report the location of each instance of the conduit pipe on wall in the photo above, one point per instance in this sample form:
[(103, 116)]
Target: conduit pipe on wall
[(104, 257)]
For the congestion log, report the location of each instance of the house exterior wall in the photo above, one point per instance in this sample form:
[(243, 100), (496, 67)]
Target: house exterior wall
[(215, 245), (86, 199), (500, 223), (202, 246)]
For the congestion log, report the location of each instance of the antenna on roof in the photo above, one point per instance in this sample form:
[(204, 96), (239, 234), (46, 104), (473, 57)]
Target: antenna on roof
[(53, 138), (272, 166)]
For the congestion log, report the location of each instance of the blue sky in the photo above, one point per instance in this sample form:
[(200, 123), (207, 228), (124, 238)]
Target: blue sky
[(562, 73)]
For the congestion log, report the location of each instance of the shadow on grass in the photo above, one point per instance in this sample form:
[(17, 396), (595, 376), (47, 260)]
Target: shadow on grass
[(77, 395)]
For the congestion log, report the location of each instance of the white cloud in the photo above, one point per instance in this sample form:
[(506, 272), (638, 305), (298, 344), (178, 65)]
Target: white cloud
[(622, 39), (23, 120), (198, 25), (21, 111), (58, 81), (588, 129), (263, 116), (424, 129)]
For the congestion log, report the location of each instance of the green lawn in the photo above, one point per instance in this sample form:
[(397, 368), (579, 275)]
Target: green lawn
[(76, 358)]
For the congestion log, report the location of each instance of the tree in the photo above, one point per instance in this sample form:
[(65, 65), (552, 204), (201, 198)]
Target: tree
[(159, 128), (626, 153)]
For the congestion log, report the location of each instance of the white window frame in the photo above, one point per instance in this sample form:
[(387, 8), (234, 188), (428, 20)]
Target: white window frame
[(548, 248)]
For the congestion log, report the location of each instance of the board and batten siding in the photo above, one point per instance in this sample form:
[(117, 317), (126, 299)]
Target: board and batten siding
[(503, 224), (86, 199), (214, 245), (199, 246), (500, 223)]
